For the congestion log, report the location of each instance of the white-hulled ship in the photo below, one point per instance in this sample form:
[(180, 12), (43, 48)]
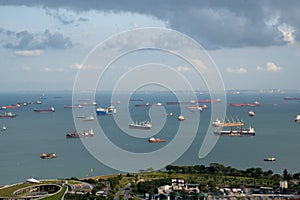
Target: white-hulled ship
[(140, 125), (297, 118), (236, 132)]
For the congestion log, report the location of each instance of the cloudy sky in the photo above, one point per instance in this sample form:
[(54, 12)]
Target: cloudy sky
[(255, 44)]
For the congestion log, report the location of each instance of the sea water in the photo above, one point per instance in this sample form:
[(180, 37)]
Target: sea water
[(31, 133)]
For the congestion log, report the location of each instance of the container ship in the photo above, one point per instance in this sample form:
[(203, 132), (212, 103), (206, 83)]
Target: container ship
[(156, 140), (44, 110), (140, 125), (256, 103)]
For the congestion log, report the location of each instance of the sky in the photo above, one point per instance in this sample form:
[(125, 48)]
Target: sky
[(253, 43)]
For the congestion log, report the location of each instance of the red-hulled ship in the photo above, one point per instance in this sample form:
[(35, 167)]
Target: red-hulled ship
[(44, 110), (256, 103), (11, 106), (209, 100)]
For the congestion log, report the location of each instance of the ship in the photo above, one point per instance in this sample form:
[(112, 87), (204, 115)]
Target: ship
[(236, 132), (155, 140), (292, 98), (180, 102), (256, 103), (106, 111), (270, 159), (140, 125), (209, 100), (143, 105), (86, 119), (45, 110), (8, 115), (181, 118), (297, 119), (251, 113), (224, 123), (74, 106), (196, 108), (11, 106), (89, 133), (47, 156)]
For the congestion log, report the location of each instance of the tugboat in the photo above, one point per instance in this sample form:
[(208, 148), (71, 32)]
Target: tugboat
[(48, 156), (140, 125), (181, 118)]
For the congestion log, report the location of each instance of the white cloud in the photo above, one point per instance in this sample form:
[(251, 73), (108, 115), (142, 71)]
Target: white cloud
[(288, 33), (77, 66), (47, 69), (183, 69), (270, 67), (239, 70), (273, 67), (27, 68), (29, 53)]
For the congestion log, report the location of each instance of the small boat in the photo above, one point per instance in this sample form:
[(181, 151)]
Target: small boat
[(140, 125), (8, 115), (106, 111), (3, 128), (297, 119), (155, 140), (181, 118), (89, 133), (47, 156), (45, 110), (251, 113), (158, 104), (270, 159)]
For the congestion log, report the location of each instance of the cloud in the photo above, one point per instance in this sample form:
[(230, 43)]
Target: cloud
[(27, 68), (78, 66), (239, 70), (61, 16), (47, 69), (270, 67), (213, 23), (25, 40), (29, 53), (183, 69)]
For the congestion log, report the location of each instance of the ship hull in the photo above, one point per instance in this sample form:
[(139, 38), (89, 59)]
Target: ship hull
[(139, 127)]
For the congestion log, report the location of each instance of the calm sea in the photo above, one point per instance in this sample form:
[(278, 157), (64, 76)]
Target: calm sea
[(30, 133)]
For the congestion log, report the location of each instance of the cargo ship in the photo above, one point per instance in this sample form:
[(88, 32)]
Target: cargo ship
[(270, 159), (209, 100), (8, 115), (11, 106), (180, 102), (143, 105), (156, 140), (219, 123), (292, 98), (256, 103), (140, 125), (45, 110), (89, 133), (236, 132), (106, 111)]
